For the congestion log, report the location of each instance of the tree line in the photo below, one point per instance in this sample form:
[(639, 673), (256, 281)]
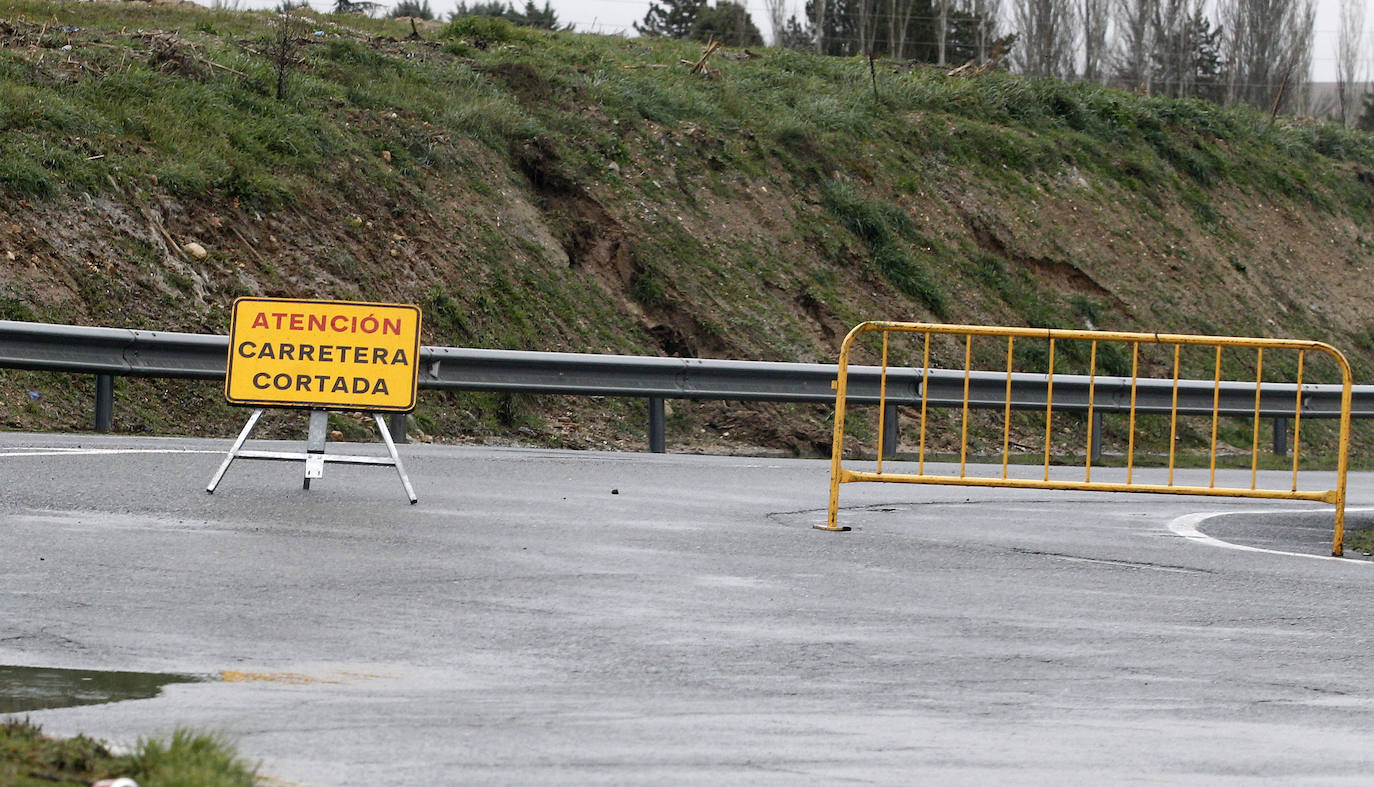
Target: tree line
[(530, 16), (1256, 52)]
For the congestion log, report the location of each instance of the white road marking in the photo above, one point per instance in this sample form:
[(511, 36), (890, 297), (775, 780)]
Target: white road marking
[(102, 451), (1187, 527)]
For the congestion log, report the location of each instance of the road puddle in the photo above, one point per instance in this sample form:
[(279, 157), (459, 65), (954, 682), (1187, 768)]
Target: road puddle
[(38, 688)]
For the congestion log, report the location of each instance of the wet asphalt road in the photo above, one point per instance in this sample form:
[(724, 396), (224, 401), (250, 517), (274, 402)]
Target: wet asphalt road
[(591, 618)]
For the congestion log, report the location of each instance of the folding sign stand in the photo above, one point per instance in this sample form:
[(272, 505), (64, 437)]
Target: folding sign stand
[(314, 456)]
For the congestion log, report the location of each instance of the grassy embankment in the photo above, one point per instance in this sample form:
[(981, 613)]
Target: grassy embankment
[(536, 190)]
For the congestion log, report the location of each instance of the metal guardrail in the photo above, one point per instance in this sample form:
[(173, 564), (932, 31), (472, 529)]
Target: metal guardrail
[(115, 352)]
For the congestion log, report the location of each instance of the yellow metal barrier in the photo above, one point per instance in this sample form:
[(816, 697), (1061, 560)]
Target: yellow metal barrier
[(839, 474)]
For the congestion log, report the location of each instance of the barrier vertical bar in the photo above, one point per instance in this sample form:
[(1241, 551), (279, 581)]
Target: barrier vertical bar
[(1049, 409), (1130, 439), (1173, 415), (104, 402), (1216, 416), (882, 407), (1006, 414), (1254, 438), (1092, 413), (837, 441), (1343, 458), (963, 428), (1297, 420), (925, 394), (657, 417)]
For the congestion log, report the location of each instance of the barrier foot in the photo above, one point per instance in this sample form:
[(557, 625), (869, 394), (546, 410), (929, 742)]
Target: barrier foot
[(234, 452), (836, 529), (395, 457)]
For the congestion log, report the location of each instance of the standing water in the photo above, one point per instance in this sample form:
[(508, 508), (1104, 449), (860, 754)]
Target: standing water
[(36, 688)]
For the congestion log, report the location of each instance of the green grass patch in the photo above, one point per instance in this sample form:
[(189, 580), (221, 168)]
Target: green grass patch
[(188, 759), (201, 114), (1360, 540), (894, 244)]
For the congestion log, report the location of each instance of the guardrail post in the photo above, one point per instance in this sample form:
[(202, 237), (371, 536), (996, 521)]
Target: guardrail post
[(104, 402), (397, 424), (889, 430), (1096, 447), (657, 443), (1280, 437)]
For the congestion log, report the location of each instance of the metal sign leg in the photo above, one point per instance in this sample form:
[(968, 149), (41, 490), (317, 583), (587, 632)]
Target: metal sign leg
[(233, 452), (314, 446), (314, 455), (395, 457)]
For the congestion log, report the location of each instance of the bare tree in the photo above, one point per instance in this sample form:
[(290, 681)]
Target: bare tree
[(987, 12), (287, 31), (899, 22), (1135, 42), (1045, 37), (820, 26), (1093, 16), (1350, 64), (776, 10), (1297, 44), (867, 19), (1268, 48), (941, 29), (1174, 47)]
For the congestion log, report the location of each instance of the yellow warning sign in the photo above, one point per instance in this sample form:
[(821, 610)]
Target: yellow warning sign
[(326, 355)]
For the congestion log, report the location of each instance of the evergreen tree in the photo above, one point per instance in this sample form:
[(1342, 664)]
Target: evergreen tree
[(836, 25), (533, 16), (1366, 121), (544, 18), (417, 8), (494, 8), (971, 37), (729, 23), (673, 19), (794, 36), (355, 6), (1197, 73)]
